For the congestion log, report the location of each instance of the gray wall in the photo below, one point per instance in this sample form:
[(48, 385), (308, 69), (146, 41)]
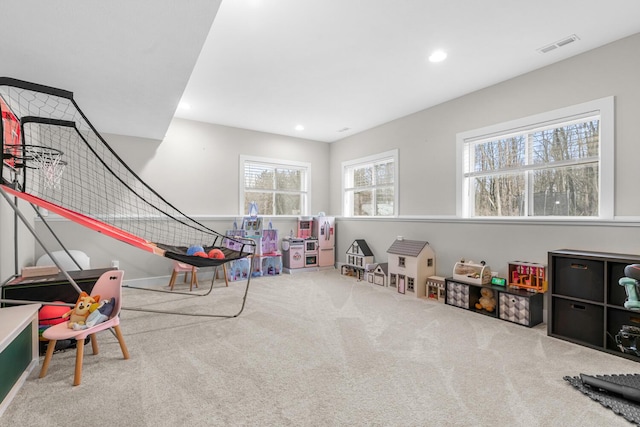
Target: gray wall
[(196, 165), (427, 157), (196, 168)]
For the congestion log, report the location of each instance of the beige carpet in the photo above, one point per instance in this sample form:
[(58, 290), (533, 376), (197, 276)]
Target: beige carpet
[(317, 349)]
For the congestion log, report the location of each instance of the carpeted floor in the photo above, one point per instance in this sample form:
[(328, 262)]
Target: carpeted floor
[(317, 349)]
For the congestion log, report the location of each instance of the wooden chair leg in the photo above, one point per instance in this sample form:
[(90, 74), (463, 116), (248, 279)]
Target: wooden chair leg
[(194, 276), (224, 273), (172, 282), (77, 377), (123, 346), (51, 346), (94, 343)]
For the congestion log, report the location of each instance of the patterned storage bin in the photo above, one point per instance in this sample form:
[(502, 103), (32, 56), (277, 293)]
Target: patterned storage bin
[(458, 294), (514, 308)]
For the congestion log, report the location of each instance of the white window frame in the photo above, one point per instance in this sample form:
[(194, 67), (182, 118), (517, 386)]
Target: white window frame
[(604, 107), (276, 163), (347, 203)]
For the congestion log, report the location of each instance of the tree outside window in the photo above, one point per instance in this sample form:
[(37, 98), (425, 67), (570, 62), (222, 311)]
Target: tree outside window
[(370, 185), (278, 187), (542, 170)]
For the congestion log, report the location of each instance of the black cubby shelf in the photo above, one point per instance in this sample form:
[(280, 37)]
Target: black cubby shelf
[(587, 302), (513, 305)]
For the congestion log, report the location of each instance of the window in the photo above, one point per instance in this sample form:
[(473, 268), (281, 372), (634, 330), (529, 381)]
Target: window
[(278, 187), (401, 261), (557, 164), (370, 185)]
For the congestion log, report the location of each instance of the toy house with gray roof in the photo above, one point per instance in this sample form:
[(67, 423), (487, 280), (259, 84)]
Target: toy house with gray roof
[(377, 273), (410, 262), (358, 256)]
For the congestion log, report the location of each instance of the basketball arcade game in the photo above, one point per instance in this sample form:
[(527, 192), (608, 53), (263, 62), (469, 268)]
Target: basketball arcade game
[(53, 158)]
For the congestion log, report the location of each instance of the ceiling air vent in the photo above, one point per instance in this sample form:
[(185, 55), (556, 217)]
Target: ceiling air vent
[(344, 129), (560, 43)]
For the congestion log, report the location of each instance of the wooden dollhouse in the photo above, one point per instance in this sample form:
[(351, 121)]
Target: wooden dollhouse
[(528, 275), (358, 256), (410, 263), (377, 273), (435, 288)]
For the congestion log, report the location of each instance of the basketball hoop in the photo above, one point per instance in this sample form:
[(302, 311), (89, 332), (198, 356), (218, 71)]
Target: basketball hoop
[(45, 159)]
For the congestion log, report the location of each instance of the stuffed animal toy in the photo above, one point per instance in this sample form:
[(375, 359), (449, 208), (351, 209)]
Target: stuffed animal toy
[(99, 312), (487, 301), (79, 313)]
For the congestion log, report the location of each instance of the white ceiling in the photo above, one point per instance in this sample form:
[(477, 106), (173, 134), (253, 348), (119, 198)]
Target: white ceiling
[(269, 65), (126, 61)]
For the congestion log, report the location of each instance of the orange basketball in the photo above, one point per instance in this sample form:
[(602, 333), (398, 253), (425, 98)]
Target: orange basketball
[(216, 254)]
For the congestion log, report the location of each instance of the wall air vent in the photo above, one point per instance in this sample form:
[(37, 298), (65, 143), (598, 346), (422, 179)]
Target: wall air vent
[(560, 43)]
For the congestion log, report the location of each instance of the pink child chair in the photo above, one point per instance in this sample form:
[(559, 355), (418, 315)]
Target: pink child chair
[(180, 267), (108, 286)]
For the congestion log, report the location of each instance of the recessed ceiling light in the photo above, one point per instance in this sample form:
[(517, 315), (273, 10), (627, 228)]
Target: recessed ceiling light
[(299, 127), (184, 106), (438, 56)]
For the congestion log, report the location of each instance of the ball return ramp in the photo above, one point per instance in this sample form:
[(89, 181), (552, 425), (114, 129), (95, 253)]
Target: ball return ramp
[(53, 158)]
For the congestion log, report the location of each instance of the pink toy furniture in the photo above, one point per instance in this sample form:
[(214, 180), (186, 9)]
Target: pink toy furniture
[(179, 267), (108, 286)]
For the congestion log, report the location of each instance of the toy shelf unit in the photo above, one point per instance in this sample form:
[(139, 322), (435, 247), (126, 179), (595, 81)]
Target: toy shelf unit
[(587, 301), (513, 305), (471, 272), (528, 275)]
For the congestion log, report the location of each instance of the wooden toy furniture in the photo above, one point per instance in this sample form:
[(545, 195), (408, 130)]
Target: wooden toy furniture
[(471, 272), (528, 275)]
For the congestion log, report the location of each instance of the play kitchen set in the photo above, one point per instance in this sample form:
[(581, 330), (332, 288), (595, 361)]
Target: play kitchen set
[(312, 247)]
